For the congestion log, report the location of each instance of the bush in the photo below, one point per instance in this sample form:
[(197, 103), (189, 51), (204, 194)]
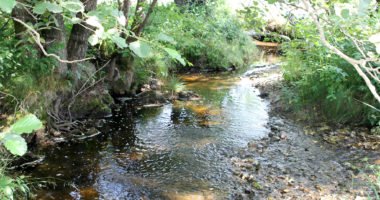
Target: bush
[(24, 74), (207, 36), (11, 187), (324, 82)]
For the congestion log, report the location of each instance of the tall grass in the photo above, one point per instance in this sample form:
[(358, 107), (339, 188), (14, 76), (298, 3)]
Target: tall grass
[(326, 85), (12, 187)]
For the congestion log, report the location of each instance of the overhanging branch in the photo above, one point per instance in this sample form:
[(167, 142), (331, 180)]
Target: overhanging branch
[(357, 64), (37, 39)]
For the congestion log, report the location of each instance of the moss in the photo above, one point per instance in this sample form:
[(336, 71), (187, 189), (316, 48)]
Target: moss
[(257, 185), (94, 105)]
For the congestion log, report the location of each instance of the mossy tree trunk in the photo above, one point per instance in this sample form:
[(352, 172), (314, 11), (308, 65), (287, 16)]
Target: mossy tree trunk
[(55, 37), (121, 71), (78, 42)]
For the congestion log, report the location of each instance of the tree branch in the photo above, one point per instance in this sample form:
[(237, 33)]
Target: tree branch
[(37, 38), (147, 15), (357, 64)]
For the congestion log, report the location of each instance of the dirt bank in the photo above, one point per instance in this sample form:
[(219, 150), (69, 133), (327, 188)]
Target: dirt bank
[(292, 163)]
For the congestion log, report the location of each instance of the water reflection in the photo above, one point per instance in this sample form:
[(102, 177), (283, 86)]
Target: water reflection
[(177, 151)]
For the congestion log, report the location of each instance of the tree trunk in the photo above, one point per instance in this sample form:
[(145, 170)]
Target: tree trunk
[(54, 38), (121, 71), (77, 45), (20, 12)]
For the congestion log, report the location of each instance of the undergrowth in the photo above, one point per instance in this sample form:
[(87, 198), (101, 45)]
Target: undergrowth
[(324, 84), (208, 36)]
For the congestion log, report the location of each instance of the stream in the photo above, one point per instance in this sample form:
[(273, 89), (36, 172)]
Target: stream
[(178, 151)]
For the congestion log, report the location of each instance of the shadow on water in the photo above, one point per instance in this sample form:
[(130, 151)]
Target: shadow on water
[(178, 151)]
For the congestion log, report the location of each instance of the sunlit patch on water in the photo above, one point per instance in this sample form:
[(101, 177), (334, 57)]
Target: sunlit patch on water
[(178, 151)]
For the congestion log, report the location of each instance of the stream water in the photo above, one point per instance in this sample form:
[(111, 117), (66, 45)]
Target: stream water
[(178, 151)]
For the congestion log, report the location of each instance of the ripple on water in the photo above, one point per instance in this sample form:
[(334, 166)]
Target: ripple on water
[(178, 151)]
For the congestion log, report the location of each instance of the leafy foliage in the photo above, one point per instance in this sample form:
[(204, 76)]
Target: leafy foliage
[(324, 81), (141, 49), (11, 138), (208, 36), (11, 187), (7, 5)]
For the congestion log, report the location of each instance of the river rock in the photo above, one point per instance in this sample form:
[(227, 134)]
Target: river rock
[(205, 195), (155, 84), (252, 146), (96, 103), (188, 96), (150, 98)]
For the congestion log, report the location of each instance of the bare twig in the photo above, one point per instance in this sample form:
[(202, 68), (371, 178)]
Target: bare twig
[(4, 25), (15, 99), (84, 88)]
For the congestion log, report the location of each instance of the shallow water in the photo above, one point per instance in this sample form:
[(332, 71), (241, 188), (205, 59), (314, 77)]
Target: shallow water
[(179, 151)]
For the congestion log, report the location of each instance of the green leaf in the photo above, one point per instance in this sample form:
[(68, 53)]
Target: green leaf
[(8, 192), (75, 20), (165, 38), (94, 21), (119, 41), (345, 13), (364, 7), (375, 39), (93, 40), (15, 144), (141, 49), (53, 7), (26, 124), (7, 5), (42, 7), (4, 181), (175, 55), (39, 8), (73, 6)]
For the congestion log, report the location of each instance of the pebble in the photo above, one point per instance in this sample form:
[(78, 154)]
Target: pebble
[(283, 136), (56, 134)]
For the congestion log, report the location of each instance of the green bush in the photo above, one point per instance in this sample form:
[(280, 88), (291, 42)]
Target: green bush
[(11, 139), (23, 73), (11, 187), (324, 82), (207, 36)]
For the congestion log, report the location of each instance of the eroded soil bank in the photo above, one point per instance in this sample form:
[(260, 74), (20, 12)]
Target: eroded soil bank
[(298, 160)]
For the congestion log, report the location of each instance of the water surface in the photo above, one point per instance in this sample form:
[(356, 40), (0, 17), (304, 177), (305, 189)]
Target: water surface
[(178, 151)]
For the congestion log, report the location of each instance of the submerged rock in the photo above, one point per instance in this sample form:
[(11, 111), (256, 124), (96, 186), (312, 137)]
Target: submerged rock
[(205, 195), (150, 97), (155, 84), (188, 96)]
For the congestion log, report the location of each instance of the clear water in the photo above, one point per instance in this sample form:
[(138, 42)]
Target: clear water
[(178, 151)]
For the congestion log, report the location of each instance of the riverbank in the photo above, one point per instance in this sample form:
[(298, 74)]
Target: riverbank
[(299, 161)]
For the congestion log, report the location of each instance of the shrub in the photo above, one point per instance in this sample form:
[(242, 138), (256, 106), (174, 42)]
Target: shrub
[(325, 82), (207, 36)]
